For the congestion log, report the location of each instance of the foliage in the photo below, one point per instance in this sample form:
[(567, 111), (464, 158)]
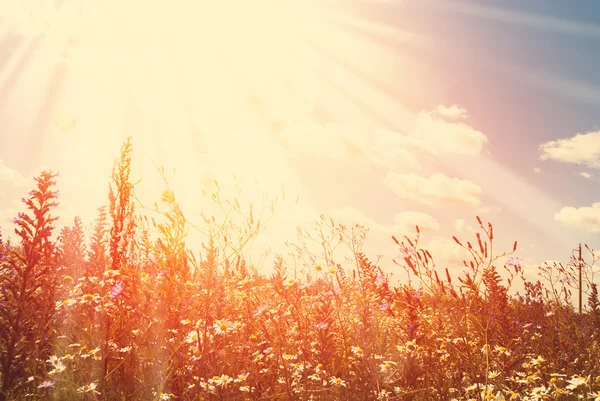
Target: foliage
[(136, 315), (29, 279)]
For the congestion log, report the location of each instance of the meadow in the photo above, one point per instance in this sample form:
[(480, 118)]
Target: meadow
[(131, 313)]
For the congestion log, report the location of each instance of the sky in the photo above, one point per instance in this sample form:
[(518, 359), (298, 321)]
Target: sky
[(388, 114)]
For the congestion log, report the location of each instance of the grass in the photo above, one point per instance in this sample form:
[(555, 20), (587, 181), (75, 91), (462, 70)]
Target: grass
[(136, 315)]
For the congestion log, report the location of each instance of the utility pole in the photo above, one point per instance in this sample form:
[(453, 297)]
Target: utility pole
[(580, 289)]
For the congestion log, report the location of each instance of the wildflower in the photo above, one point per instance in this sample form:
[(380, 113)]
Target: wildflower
[(164, 397), (87, 389), (357, 351), (539, 392), (493, 374), (58, 368), (67, 279), (222, 326), (46, 384), (242, 377), (260, 310), (68, 302), (245, 389), (318, 268), (538, 361), (222, 380), (192, 337), (320, 326), (336, 381), (576, 381), (406, 252), (185, 322), (335, 291), (385, 366), (595, 396), (501, 350), (88, 297), (117, 289), (514, 262)]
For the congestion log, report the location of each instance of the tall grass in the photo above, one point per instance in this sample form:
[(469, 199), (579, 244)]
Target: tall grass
[(136, 315)]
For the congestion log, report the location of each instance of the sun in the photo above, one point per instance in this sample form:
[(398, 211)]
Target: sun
[(204, 88)]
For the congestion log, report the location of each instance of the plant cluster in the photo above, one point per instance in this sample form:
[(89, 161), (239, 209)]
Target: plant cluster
[(133, 314)]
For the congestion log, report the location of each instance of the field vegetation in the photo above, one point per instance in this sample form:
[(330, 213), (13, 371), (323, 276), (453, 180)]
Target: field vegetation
[(131, 313)]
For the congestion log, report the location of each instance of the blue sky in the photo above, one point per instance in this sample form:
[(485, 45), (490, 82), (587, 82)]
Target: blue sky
[(382, 113)]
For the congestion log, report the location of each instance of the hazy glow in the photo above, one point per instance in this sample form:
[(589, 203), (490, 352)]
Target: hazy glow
[(273, 91)]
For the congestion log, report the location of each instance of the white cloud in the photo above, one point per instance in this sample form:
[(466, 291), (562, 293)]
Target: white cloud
[(334, 141), (6, 220), (10, 176), (453, 112), (447, 253), (408, 220), (391, 147), (462, 227), (489, 209), (587, 218), (438, 133), (437, 190), (435, 132), (12, 189), (585, 174), (580, 149), (343, 143)]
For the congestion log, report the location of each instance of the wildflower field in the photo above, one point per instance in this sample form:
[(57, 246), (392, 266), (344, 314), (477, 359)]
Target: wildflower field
[(132, 314)]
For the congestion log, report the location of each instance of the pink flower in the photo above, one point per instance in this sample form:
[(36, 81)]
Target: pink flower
[(46, 384), (406, 252), (261, 310), (514, 262), (117, 289), (320, 326)]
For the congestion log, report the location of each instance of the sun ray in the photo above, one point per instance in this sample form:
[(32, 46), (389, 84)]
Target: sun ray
[(14, 69), (188, 79)]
